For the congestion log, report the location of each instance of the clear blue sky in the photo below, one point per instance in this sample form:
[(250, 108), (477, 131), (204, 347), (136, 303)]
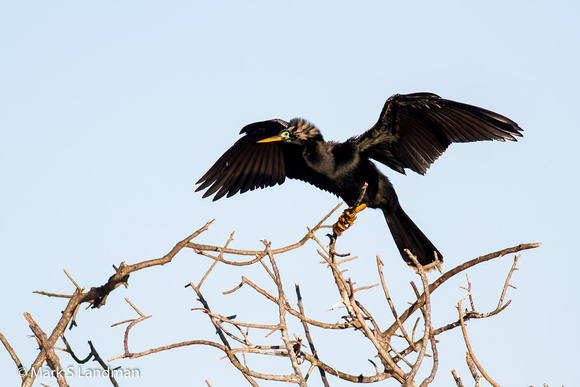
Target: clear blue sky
[(110, 111)]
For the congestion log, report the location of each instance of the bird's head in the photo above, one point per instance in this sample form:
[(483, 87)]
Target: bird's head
[(298, 131)]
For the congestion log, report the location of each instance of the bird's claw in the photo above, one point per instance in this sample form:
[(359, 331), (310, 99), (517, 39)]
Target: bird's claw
[(347, 219)]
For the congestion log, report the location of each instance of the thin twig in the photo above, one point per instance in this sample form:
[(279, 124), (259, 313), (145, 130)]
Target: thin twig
[(282, 315), (21, 369), (308, 336), (391, 305), (468, 289), (477, 377), (470, 351), (507, 281), (426, 309), (72, 280), (431, 376), (132, 323), (52, 294), (70, 352), (458, 381), (102, 363)]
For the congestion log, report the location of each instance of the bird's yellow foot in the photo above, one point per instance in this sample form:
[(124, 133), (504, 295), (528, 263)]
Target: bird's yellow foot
[(347, 219)]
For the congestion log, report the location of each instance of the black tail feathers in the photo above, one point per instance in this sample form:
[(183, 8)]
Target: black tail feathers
[(408, 236)]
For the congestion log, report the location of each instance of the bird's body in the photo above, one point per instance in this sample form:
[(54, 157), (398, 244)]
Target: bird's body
[(340, 169), (412, 131)]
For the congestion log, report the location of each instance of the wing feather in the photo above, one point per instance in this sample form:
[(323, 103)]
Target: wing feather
[(247, 165), (413, 130), (233, 172), (222, 165), (245, 175)]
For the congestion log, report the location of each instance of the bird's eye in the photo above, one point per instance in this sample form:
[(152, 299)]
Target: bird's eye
[(285, 134)]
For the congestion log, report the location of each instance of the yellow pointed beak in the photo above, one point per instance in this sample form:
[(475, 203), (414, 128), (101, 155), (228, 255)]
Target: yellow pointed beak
[(271, 139)]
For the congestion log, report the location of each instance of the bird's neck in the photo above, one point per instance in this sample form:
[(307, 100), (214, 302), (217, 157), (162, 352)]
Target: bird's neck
[(318, 156)]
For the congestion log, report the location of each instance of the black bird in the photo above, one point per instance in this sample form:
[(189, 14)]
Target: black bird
[(413, 130)]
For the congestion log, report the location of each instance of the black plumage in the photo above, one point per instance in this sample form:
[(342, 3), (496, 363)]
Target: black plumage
[(413, 130)]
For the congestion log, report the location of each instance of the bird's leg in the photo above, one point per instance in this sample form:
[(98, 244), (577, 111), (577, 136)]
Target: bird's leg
[(347, 219)]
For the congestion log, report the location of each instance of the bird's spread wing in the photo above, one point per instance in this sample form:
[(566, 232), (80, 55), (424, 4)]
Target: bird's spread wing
[(413, 130), (247, 165)]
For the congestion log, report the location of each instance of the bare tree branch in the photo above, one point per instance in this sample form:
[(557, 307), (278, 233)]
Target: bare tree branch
[(470, 351), (238, 340), (309, 337), (426, 309), (46, 352), (21, 369), (403, 317)]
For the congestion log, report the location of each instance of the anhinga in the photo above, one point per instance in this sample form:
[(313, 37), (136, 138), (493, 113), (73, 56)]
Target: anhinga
[(413, 130)]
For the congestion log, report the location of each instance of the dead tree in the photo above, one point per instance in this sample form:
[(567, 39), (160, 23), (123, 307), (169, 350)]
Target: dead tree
[(241, 339)]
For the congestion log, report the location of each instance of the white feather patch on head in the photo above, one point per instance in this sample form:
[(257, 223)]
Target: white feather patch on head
[(304, 130)]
